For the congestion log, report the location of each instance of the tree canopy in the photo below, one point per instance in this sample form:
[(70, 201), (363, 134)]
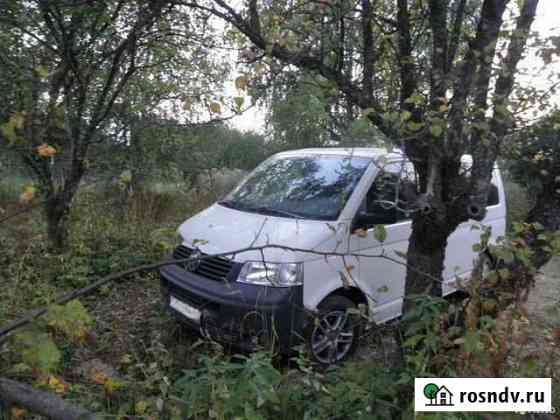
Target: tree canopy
[(436, 77)]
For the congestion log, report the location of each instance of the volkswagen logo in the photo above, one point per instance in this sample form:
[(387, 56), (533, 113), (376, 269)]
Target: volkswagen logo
[(194, 263)]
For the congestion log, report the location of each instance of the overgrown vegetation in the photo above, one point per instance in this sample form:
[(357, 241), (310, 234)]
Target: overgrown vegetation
[(118, 352), (114, 129)]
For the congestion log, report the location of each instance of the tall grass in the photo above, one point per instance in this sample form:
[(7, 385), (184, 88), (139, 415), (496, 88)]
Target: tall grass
[(108, 232)]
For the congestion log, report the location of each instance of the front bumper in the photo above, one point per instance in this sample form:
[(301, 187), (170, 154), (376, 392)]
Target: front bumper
[(246, 316)]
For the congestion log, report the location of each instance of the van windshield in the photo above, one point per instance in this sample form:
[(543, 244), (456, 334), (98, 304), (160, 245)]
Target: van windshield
[(310, 187)]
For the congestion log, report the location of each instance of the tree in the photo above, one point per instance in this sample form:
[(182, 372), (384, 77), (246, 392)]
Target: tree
[(535, 164), (427, 74), (68, 64), (305, 111)]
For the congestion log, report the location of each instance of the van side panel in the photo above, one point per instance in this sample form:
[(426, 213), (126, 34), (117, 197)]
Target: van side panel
[(322, 277), (459, 255)]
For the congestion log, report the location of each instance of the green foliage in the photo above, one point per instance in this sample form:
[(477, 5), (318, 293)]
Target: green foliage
[(253, 388), (535, 156), (436, 341), (380, 233), (224, 390), (422, 333), (38, 350), (71, 319), (519, 202)]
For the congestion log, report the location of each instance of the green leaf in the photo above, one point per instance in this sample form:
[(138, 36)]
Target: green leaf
[(413, 341), (42, 71), (472, 342), (436, 130), (405, 116), (71, 319), (39, 351), (380, 233), (414, 99), (239, 100), (415, 126), (8, 130)]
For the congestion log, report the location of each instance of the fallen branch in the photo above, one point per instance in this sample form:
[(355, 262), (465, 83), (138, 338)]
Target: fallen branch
[(30, 316), (20, 212), (77, 293), (41, 402)]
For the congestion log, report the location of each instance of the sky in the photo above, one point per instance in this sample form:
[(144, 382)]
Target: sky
[(532, 71)]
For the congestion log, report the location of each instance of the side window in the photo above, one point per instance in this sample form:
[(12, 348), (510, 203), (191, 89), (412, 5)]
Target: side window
[(380, 199), (408, 191), (493, 196), (390, 197)]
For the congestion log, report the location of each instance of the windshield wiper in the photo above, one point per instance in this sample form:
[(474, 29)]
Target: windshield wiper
[(273, 211), (262, 209), (229, 203)]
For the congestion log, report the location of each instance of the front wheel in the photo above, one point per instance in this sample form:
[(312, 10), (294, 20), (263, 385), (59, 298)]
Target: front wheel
[(334, 334)]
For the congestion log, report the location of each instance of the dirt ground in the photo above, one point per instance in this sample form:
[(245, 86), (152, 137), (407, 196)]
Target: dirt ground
[(544, 300)]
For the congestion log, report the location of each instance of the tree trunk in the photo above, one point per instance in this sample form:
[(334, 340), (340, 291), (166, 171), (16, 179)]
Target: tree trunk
[(425, 258), (40, 402), (137, 161), (57, 210)]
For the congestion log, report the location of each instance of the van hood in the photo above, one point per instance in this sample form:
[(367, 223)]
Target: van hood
[(219, 229)]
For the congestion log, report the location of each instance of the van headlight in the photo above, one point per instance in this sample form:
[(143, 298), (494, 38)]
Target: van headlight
[(271, 274)]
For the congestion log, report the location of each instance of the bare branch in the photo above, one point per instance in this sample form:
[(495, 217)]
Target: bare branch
[(367, 45), (30, 316), (304, 59), (488, 29), (455, 34), (438, 23)]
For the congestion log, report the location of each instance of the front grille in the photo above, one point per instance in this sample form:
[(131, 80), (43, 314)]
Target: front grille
[(214, 268)]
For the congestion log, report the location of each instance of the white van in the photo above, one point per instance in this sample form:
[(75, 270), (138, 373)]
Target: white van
[(280, 247)]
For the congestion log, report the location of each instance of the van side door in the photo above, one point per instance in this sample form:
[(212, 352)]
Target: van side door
[(459, 254), (384, 208)]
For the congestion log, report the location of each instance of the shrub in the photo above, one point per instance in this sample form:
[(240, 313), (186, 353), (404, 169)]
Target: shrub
[(253, 388), (519, 202)]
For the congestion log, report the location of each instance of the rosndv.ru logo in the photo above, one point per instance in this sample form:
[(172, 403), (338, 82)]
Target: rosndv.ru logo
[(506, 396), (483, 394)]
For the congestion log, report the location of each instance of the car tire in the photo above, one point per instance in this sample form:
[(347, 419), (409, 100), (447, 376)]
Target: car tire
[(334, 332)]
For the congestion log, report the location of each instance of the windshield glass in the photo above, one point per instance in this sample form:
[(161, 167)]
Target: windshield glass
[(311, 187)]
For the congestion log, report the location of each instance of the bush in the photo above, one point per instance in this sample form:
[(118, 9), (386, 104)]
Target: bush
[(518, 201), (252, 388), (10, 189)]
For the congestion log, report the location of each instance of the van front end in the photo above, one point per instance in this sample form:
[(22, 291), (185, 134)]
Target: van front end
[(235, 303)]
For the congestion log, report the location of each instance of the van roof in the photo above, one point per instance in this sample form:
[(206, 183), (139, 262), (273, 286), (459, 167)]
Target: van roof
[(368, 152)]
